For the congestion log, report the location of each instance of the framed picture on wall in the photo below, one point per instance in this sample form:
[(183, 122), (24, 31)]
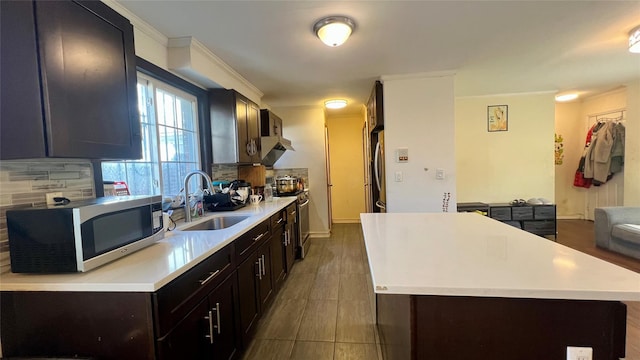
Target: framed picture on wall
[(497, 118)]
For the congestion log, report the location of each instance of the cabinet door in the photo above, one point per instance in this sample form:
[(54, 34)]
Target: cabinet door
[(253, 131), (277, 256), (188, 339), (222, 304), (248, 297), (265, 285), (21, 125), (88, 71), (242, 108), (290, 248)]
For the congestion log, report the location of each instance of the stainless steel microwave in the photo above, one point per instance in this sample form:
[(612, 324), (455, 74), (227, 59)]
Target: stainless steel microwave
[(82, 235)]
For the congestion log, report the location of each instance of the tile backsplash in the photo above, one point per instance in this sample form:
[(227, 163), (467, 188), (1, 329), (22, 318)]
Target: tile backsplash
[(224, 172), (26, 183)]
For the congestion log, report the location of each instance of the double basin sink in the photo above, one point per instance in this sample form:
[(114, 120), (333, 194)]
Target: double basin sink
[(216, 223)]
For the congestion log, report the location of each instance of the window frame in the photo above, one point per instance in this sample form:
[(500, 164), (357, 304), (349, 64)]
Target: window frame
[(204, 119)]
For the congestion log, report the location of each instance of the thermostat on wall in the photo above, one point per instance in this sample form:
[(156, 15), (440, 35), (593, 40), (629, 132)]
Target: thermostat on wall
[(402, 155)]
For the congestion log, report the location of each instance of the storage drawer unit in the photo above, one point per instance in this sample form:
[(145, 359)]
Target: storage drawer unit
[(522, 213), (542, 227), (501, 213), (544, 212), (250, 241)]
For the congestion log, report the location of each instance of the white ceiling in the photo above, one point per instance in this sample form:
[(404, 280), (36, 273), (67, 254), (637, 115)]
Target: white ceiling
[(494, 47)]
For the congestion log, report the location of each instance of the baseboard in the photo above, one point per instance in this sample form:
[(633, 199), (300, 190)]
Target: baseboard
[(570, 217), (346, 221), (319, 234)]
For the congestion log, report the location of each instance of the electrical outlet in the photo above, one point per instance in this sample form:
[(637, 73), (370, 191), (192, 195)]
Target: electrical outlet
[(440, 174), (52, 195), (579, 353)]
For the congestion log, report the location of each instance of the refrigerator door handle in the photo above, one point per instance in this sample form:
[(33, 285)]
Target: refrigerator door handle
[(375, 165)]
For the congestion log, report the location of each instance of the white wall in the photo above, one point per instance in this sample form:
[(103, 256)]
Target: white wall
[(514, 164), (419, 115), (304, 126)]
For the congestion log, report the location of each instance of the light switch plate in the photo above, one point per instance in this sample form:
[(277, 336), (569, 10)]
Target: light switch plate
[(579, 353)]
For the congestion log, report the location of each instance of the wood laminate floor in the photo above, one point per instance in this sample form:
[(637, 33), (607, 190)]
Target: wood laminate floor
[(324, 310)]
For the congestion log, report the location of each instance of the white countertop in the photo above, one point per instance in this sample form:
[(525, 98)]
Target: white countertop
[(466, 254), (155, 266)]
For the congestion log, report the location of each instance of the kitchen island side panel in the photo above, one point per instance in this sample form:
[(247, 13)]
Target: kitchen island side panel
[(395, 326), (84, 324), (452, 327)]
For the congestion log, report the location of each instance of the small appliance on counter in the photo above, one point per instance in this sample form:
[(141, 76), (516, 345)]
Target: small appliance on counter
[(289, 186), (228, 198), (78, 236)]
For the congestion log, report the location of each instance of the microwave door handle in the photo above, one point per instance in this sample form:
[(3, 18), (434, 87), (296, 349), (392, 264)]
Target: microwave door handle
[(375, 165)]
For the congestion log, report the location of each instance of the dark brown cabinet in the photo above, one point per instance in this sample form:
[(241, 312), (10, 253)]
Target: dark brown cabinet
[(208, 331), (68, 86), (291, 234), (255, 282), (375, 108), (235, 128), (278, 245)]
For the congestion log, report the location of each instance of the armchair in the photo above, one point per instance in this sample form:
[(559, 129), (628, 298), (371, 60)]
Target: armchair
[(617, 229)]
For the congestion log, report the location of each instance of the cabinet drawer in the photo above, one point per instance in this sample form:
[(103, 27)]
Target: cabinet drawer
[(514, 224), (291, 211), (278, 220), (500, 213), (522, 213), (174, 300), (543, 212), (547, 227), (250, 241)]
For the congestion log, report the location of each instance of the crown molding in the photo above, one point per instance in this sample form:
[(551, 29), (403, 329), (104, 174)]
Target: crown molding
[(137, 22)]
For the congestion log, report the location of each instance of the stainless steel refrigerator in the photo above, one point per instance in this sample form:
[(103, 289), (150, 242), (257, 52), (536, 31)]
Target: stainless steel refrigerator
[(379, 186)]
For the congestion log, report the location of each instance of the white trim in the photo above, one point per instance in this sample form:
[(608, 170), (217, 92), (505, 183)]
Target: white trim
[(346, 221), (550, 92), (430, 74), (320, 234), (570, 217), (137, 22)]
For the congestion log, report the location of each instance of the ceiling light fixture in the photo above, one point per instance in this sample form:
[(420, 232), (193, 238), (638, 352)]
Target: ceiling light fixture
[(335, 104), (334, 30), (634, 40), (566, 97)]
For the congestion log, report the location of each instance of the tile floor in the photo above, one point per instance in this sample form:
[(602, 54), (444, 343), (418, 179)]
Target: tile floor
[(324, 310)]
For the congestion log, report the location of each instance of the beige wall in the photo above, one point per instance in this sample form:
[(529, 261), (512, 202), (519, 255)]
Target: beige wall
[(347, 167), (571, 125), (502, 166), (304, 126), (632, 146)]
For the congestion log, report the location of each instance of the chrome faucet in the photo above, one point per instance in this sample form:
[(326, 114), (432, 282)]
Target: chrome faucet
[(187, 208)]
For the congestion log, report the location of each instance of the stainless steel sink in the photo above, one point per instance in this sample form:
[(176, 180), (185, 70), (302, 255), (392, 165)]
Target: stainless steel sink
[(216, 223)]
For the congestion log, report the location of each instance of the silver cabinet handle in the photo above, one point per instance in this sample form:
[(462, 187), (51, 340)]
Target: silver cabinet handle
[(260, 236), (211, 276), (263, 267), (217, 310), (286, 237), (280, 220), (210, 318), (259, 274), (294, 212)]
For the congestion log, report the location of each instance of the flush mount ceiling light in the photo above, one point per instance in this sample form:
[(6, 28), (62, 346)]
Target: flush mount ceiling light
[(566, 97), (634, 40), (335, 104), (334, 30)]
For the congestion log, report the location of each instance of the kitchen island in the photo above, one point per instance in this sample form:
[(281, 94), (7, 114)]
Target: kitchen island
[(194, 294), (464, 286)]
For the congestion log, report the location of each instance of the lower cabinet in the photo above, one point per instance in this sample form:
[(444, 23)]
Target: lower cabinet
[(255, 287), (278, 246), (209, 330)]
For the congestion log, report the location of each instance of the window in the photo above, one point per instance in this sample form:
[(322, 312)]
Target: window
[(169, 120)]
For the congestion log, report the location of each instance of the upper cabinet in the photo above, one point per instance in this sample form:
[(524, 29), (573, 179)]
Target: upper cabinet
[(235, 128), (375, 114), (68, 82), (271, 124)]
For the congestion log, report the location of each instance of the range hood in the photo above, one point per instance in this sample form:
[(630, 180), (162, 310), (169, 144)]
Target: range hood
[(272, 149)]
